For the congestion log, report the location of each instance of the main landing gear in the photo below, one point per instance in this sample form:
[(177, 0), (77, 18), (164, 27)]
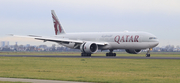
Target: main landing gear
[(148, 52), (85, 54), (111, 53)]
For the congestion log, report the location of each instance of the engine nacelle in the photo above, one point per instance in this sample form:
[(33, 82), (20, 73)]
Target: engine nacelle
[(133, 51), (89, 47)]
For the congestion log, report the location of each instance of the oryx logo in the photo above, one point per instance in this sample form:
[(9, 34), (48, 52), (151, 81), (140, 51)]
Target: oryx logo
[(57, 25)]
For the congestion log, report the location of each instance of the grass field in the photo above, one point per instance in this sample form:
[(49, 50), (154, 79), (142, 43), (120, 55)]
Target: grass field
[(93, 70)]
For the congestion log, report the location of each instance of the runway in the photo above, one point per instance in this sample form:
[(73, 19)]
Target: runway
[(36, 80), (117, 57)]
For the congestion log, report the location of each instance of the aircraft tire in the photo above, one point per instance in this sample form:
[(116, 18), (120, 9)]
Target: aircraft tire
[(88, 54), (114, 54), (107, 54), (110, 54), (82, 54), (148, 55), (85, 54)]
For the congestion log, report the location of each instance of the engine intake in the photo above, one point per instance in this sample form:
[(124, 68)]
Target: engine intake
[(133, 51), (89, 47)]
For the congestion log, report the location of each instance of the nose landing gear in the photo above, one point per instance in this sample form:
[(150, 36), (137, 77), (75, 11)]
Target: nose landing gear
[(148, 52)]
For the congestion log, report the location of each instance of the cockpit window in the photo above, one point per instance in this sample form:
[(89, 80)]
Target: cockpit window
[(152, 38)]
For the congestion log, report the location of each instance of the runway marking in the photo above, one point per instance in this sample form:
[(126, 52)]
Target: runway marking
[(117, 57), (36, 80)]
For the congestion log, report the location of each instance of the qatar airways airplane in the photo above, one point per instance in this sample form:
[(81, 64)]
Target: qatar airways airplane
[(89, 43)]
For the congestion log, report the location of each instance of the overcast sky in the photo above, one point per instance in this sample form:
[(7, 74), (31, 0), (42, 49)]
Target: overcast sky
[(24, 17)]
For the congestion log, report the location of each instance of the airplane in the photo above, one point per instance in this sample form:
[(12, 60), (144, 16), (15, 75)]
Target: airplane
[(90, 42)]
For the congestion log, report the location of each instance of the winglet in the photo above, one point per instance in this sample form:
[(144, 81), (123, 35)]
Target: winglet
[(57, 26)]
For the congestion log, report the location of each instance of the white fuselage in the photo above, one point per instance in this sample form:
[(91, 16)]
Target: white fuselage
[(114, 40)]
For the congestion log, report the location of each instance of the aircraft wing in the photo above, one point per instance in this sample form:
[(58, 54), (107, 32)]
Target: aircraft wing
[(59, 40), (64, 40)]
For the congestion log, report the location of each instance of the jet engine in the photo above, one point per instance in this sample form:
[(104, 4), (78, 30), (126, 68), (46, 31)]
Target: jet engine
[(89, 47), (133, 51)]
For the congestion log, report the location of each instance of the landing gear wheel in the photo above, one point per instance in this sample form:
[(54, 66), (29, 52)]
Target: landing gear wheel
[(114, 54), (148, 52), (88, 54), (82, 54), (107, 54), (148, 55), (110, 54), (85, 54)]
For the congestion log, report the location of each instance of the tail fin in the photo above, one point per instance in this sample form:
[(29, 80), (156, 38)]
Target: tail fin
[(57, 26)]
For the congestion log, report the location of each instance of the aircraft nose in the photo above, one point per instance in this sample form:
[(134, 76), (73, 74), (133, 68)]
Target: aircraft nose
[(156, 43), (153, 44)]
